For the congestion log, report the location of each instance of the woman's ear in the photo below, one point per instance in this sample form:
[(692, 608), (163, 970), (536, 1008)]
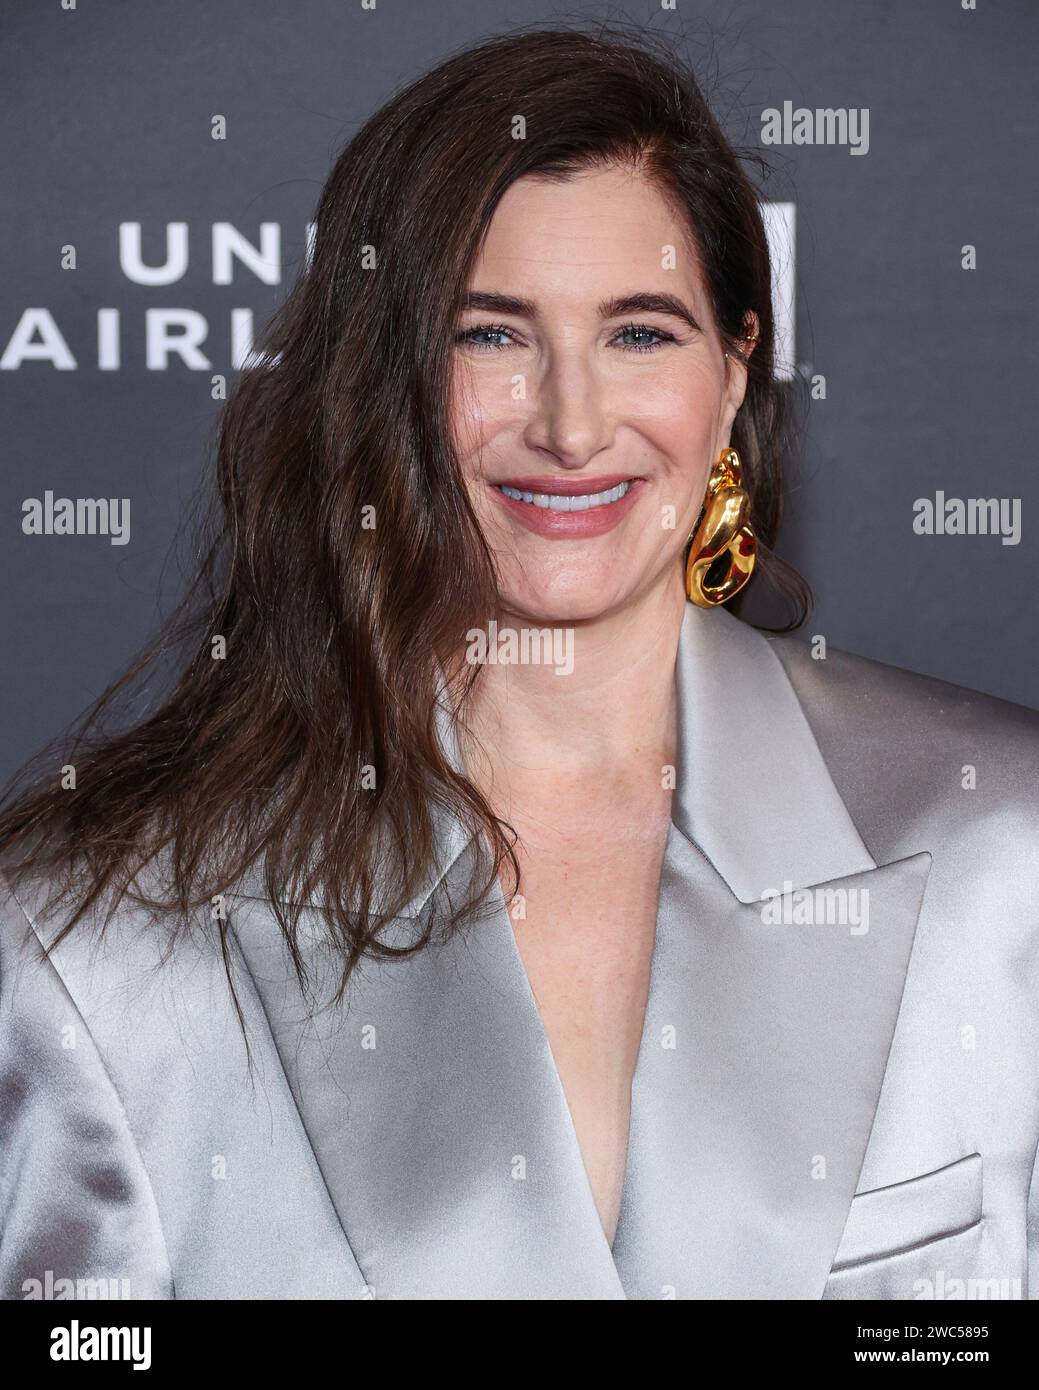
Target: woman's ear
[(736, 361), (751, 333)]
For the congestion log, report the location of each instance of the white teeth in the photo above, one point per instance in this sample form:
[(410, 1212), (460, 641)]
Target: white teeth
[(564, 502)]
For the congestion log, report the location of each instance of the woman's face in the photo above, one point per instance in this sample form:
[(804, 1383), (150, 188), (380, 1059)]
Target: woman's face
[(587, 365)]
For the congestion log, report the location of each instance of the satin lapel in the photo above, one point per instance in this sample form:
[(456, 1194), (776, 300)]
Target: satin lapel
[(438, 1119), (757, 1082), (753, 790), (766, 1039)]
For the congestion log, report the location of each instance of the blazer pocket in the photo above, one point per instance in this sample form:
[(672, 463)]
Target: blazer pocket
[(902, 1217)]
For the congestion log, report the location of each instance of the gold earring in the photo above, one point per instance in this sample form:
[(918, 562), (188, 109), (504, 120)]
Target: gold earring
[(723, 534)]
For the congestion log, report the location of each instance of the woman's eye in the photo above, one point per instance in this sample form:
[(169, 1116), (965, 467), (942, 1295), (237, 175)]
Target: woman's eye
[(634, 337), (489, 339), (637, 337)]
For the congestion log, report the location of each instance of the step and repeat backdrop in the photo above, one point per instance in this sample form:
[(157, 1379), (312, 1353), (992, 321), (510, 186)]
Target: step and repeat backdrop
[(162, 163)]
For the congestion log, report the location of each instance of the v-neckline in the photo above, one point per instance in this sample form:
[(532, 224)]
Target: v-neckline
[(504, 922)]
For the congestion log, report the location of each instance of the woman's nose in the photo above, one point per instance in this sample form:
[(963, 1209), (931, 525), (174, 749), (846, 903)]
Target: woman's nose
[(569, 416)]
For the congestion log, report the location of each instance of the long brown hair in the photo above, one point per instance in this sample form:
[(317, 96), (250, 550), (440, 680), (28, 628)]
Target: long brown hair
[(345, 553)]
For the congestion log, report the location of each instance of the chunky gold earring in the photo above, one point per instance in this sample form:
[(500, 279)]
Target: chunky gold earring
[(724, 548)]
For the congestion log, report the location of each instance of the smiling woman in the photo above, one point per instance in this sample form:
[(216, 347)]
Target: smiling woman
[(507, 945)]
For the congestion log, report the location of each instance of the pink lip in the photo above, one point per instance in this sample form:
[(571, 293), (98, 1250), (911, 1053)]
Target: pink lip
[(593, 521)]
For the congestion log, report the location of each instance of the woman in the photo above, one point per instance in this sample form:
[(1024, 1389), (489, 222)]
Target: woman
[(489, 912)]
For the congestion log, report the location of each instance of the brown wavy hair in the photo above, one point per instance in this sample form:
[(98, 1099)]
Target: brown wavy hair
[(252, 764)]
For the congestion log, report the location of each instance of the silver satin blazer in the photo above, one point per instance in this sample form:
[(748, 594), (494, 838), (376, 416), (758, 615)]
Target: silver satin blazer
[(819, 1110)]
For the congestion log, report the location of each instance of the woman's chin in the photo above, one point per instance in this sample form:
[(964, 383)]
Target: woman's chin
[(566, 605)]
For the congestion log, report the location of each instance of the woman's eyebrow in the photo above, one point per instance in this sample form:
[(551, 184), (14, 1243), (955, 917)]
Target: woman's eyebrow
[(645, 302), (499, 304), (648, 303)]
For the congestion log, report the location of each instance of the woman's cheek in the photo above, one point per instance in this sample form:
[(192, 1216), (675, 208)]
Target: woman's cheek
[(676, 421), (487, 405)]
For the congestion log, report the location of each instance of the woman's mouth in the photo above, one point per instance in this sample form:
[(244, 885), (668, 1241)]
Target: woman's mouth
[(568, 501), (565, 508)]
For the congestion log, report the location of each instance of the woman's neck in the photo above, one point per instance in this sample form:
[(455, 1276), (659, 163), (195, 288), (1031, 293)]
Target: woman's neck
[(610, 707)]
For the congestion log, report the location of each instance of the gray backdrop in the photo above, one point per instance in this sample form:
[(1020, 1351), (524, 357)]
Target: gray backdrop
[(929, 367)]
